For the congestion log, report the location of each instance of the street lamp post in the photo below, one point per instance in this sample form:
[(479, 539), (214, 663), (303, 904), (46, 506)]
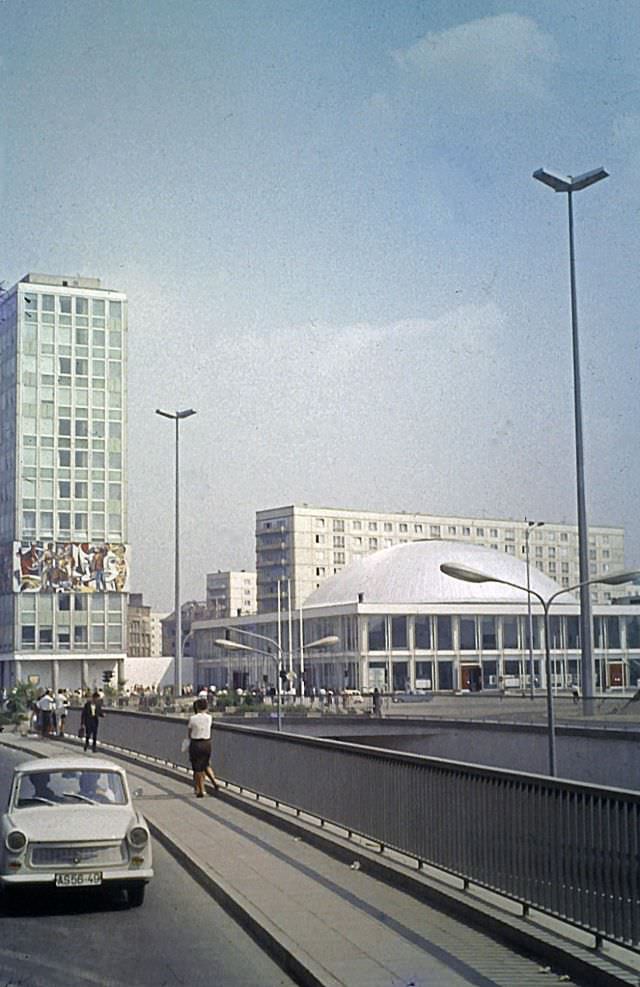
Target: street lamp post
[(527, 533), (229, 645), (473, 576), (177, 416), (569, 184)]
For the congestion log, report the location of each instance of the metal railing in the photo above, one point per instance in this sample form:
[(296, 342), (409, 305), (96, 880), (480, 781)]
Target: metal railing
[(564, 848)]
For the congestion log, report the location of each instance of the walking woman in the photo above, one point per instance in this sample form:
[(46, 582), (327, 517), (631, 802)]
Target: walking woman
[(199, 733)]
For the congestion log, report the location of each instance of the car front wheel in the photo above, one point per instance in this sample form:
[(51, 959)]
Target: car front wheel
[(135, 895)]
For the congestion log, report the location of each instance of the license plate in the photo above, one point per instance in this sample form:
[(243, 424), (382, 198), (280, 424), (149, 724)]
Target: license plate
[(78, 880)]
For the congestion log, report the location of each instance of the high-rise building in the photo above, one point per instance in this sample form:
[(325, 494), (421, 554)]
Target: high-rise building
[(63, 482), (298, 547)]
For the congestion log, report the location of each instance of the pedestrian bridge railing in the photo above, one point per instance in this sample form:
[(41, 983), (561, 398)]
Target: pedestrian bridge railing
[(563, 848)]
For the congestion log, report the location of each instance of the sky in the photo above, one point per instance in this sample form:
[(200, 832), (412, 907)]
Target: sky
[(324, 217)]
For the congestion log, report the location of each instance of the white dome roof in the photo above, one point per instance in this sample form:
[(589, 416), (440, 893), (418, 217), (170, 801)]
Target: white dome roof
[(410, 573)]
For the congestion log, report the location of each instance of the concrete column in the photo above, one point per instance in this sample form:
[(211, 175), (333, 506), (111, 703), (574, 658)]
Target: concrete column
[(55, 674), (119, 683), (84, 675)]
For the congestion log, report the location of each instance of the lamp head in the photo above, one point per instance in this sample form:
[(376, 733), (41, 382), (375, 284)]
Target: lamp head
[(567, 183), (222, 642), (617, 578), (464, 573), (324, 642)]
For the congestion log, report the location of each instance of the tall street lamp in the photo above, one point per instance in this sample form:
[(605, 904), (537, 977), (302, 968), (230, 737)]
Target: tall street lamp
[(177, 416), (223, 642), (527, 533), (468, 575), (569, 184)]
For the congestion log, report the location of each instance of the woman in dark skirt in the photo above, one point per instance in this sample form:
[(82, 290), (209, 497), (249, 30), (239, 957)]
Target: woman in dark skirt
[(199, 733)]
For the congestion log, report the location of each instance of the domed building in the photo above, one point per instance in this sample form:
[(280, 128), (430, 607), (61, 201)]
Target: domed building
[(403, 624)]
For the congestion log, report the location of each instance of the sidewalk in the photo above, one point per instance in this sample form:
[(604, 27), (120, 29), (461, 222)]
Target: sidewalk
[(324, 916)]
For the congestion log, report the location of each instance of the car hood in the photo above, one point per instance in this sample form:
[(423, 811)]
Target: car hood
[(47, 825)]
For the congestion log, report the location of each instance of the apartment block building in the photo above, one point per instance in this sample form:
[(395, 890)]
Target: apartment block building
[(231, 593), (138, 627), (155, 628), (299, 546), (63, 481)]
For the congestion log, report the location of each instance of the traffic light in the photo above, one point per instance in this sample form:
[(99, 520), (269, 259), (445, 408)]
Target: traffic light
[(107, 676)]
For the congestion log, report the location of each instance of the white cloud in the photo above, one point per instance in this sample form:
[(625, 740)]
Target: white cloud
[(492, 58)]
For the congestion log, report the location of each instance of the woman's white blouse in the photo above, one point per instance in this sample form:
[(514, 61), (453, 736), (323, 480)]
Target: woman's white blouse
[(200, 726)]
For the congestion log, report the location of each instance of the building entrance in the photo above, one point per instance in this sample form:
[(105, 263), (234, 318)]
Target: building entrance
[(471, 677), (616, 674)]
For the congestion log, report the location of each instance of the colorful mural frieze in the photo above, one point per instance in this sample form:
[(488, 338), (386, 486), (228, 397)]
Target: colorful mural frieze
[(70, 567)]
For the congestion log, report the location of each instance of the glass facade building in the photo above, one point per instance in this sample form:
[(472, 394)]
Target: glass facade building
[(63, 481)]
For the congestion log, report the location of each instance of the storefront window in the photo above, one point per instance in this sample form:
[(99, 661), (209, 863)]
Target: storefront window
[(613, 632), (445, 636), (378, 675), (445, 675), (509, 633), (488, 632), (375, 627), (489, 674), (424, 675), (633, 632), (555, 631), (467, 634), (423, 633), (400, 671), (573, 633), (399, 632)]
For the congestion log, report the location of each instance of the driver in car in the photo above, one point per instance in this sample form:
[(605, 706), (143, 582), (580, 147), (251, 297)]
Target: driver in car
[(41, 789)]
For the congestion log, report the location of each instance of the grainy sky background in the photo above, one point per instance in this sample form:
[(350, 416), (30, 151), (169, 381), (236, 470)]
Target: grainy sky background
[(324, 217)]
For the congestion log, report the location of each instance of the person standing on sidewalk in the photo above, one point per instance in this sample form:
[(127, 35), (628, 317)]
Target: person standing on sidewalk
[(62, 705), (46, 705), (199, 734), (91, 713)]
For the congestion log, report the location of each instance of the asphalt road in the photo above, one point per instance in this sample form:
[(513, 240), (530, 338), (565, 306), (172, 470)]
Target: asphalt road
[(81, 939)]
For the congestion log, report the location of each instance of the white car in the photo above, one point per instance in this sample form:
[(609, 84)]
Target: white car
[(70, 823)]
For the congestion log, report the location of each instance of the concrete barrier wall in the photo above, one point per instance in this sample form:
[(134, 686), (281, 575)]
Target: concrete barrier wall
[(596, 757)]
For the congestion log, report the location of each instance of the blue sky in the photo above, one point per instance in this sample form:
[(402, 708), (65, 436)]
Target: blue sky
[(324, 217)]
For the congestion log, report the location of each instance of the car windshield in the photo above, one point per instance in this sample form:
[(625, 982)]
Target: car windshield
[(70, 787)]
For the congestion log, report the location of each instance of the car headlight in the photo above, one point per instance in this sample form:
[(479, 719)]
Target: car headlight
[(15, 841), (138, 837)]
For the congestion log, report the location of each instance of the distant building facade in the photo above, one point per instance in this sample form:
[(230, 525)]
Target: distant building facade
[(231, 593), (155, 630), (190, 611), (138, 627), (299, 547)]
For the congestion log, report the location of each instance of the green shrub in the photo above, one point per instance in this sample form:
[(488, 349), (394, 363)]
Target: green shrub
[(19, 701)]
